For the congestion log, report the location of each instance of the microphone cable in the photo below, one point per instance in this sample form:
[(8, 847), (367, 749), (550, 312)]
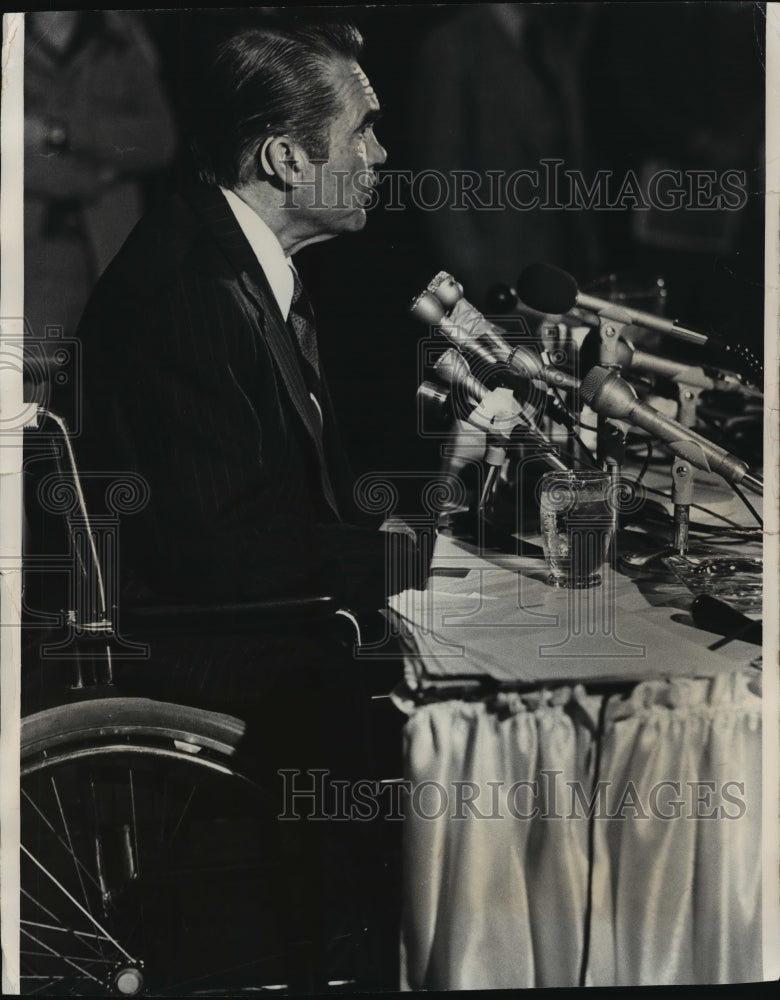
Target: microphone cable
[(575, 421), (648, 459), (734, 526), (748, 504)]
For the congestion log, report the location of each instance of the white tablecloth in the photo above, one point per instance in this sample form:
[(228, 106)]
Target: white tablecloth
[(632, 852)]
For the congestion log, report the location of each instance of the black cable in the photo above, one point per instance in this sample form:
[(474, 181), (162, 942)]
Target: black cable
[(568, 454), (706, 510), (646, 463), (572, 457), (725, 536), (728, 535), (710, 529), (748, 504), (574, 418), (741, 532), (586, 450)]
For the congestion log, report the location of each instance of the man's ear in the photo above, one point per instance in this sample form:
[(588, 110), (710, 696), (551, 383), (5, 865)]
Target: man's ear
[(280, 157)]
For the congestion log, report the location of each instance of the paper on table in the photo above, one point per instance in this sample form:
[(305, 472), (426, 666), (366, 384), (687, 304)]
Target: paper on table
[(516, 628)]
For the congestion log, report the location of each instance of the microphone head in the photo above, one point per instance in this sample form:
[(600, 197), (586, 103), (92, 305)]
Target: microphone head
[(435, 405), (446, 289), (547, 289), (427, 308), (452, 367), (593, 382), (606, 393)]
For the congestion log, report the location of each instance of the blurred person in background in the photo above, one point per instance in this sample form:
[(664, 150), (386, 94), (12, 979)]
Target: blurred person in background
[(97, 125), (499, 88), (688, 99)]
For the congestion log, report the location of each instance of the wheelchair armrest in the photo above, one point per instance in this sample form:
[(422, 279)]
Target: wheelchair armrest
[(247, 617)]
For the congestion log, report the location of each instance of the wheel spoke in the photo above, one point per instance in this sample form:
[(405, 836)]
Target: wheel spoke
[(133, 840), (49, 979), (183, 813), (164, 811), (81, 937), (70, 843), (67, 958), (62, 958), (63, 930), (76, 903), (135, 828), (78, 863), (40, 905), (60, 928)]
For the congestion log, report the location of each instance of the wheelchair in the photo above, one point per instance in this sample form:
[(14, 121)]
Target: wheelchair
[(152, 859)]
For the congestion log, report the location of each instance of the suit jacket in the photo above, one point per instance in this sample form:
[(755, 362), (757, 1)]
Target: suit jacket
[(192, 380)]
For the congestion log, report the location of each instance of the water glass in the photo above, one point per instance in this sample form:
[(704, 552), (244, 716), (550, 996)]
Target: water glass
[(578, 519)]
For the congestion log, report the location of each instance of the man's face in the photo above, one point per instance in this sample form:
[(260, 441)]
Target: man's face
[(354, 154)]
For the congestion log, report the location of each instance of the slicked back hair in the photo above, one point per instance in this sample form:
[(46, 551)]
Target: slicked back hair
[(267, 82)]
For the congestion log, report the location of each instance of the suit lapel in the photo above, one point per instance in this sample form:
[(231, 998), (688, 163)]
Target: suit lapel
[(211, 205)]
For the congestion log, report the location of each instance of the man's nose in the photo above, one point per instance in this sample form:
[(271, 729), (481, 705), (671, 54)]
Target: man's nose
[(377, 153)]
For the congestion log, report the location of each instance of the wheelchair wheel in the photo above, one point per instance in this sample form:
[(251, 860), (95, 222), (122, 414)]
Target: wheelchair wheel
[(150, 864)]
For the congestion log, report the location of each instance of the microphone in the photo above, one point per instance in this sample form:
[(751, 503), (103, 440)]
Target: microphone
[(465, 327), (608, 394), (496, 410), (629, 356), (453, 370), (450, 293), (503, 299), (551, 290), (716, 616)]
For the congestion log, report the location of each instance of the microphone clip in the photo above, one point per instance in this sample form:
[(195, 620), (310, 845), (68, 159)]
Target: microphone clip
[(497, 413)]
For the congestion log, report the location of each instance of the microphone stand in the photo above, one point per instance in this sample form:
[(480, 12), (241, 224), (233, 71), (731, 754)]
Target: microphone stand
[(655, 563), (494, 458), (682, 498), (687, 403), (702, 569), (611, 440), (611, 448), (611, 338)]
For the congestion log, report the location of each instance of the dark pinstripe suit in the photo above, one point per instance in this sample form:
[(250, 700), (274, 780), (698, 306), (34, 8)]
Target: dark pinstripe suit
[(192, 379)]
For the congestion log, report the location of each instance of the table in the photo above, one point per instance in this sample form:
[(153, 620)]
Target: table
[(585, 784)]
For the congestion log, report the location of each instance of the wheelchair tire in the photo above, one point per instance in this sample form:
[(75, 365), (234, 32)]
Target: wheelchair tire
[(149, 862)]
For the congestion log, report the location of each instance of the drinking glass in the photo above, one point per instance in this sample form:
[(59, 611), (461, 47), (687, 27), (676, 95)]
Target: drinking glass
[(578, 518)]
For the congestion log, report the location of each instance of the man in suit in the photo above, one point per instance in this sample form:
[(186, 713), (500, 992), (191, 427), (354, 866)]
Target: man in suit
[(201, 365), (202, 375)]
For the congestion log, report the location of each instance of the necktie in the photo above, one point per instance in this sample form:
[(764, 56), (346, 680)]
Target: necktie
[(301, 320), (302, 323)]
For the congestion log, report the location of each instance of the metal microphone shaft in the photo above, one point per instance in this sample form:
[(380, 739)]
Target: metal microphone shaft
[(638, 317), (675, 371), (610, 396)]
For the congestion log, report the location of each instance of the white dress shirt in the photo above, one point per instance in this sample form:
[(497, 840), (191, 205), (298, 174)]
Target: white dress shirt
[(268, 250), (278, 268)]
